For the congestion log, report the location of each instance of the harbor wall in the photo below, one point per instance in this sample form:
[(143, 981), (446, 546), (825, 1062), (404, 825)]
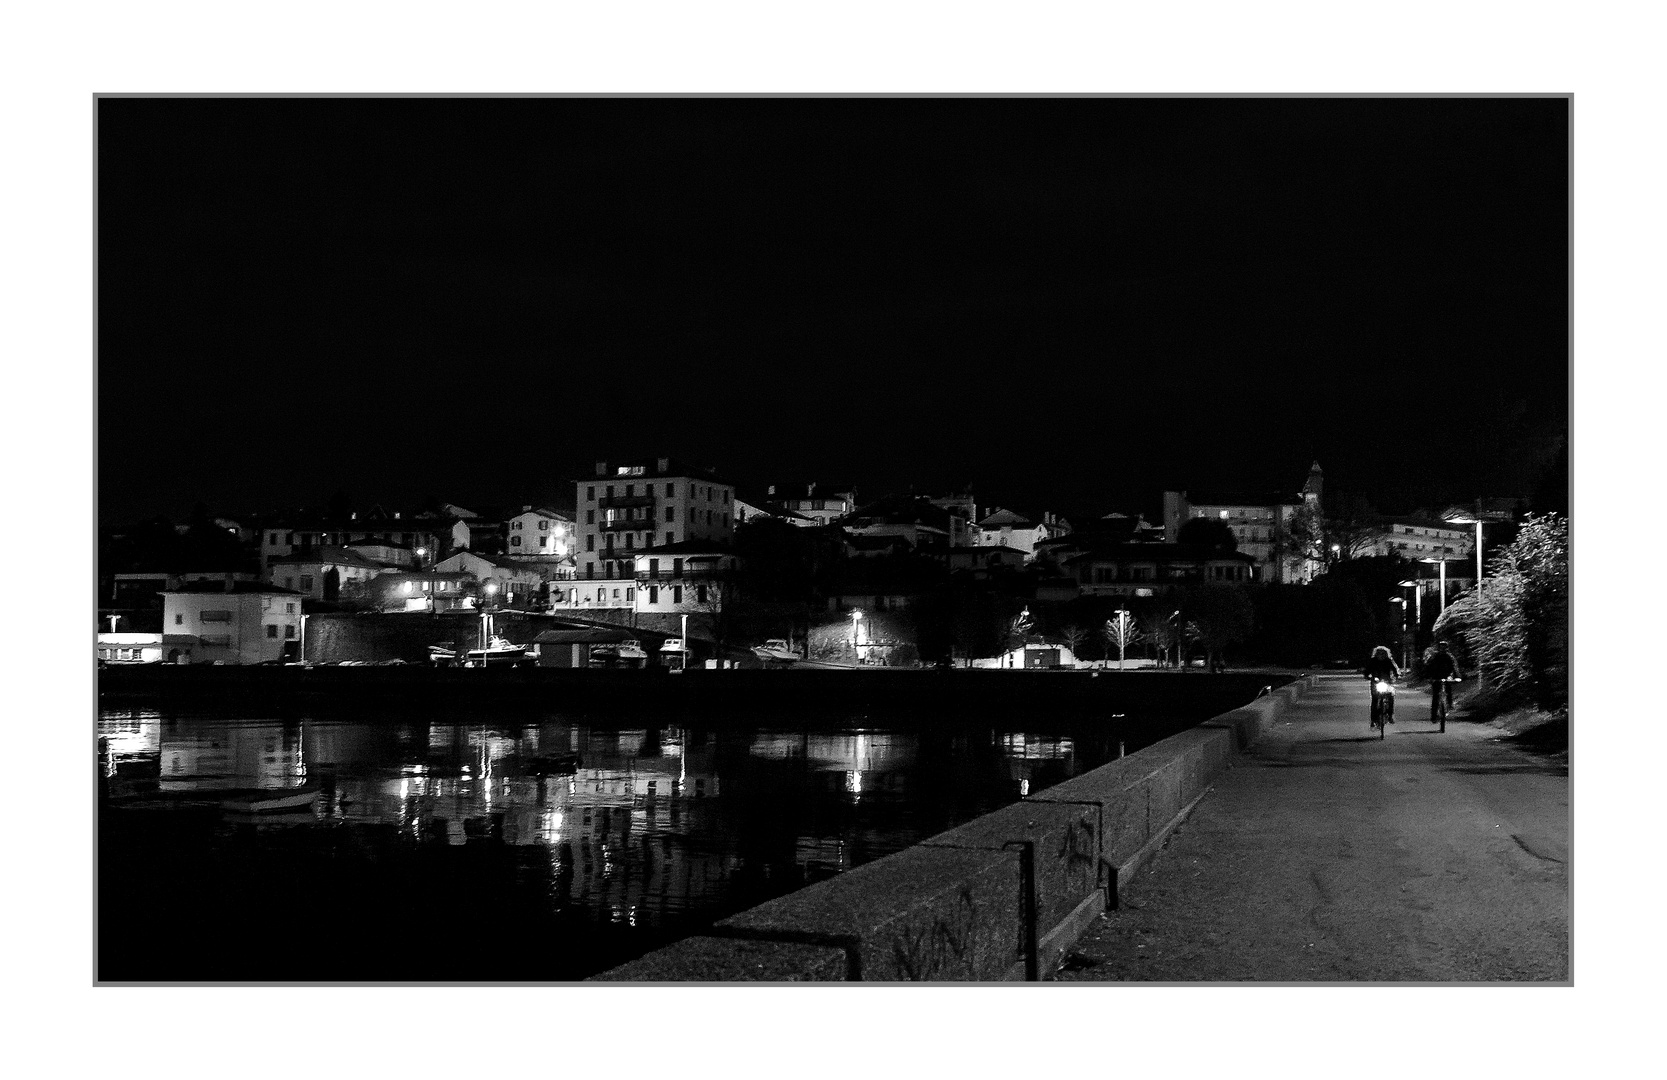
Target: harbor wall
[(1003, 897)]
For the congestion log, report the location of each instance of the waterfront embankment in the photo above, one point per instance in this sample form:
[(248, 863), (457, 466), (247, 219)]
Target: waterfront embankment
[(1002, 897)]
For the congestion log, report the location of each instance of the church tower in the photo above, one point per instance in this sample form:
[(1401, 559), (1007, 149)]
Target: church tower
[(1311, 488)]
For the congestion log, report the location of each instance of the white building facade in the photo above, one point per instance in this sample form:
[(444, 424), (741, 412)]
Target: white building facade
[(629, 507), (234, 623), (539, 531)]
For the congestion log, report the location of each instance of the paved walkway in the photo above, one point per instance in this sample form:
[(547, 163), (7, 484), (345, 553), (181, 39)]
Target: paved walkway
[(1329, 855)]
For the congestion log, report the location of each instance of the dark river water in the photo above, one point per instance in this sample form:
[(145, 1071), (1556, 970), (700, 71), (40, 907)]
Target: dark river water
[(547, 847)]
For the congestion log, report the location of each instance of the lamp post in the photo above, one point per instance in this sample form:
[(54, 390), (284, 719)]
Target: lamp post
[(1458, 515), (683, 657), (1417, 588), (486, 616), (1442, 563), (1406, 649), (856, 640)]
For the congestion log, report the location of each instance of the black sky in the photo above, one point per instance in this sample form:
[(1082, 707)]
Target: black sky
[(1069, 303)]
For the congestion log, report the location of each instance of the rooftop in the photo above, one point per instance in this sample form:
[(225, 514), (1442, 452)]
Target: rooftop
[(654, 468), (217, 586)]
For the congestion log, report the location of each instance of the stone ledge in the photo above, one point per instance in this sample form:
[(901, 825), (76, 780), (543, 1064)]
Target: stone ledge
[(950, 908), (712, 959), (925, 913)]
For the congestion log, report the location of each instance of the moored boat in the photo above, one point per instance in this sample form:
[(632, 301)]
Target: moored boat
[(776, 651)]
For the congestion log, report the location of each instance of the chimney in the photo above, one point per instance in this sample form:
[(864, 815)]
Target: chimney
[(601, 468), (771, 490), (663, 465), (810, 490)]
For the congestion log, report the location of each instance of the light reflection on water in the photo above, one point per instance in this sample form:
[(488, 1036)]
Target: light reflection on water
[(662, 827)]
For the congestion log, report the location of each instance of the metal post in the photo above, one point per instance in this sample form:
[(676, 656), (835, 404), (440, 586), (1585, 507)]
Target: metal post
[(1478, 557), (1027, 895)]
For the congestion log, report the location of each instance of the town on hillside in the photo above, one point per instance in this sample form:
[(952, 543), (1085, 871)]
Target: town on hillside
[(658, 562)]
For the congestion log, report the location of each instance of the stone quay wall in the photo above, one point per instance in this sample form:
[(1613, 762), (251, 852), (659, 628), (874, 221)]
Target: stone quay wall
[(1003, 897)]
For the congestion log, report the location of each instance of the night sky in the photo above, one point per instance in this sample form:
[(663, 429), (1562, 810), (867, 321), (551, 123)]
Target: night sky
[(1071, 304)]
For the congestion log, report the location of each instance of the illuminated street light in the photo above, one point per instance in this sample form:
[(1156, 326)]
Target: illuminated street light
[(856, 643), (1459, 515)]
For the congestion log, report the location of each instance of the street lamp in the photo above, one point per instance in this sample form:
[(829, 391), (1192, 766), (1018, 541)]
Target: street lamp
[(1442, 563), (486, 615), (1406, 648), (1458, 515), (1417, 588), (856, 641)]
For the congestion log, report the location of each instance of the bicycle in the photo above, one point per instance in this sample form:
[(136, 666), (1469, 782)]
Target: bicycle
[(1438, 702), (1383, 705)]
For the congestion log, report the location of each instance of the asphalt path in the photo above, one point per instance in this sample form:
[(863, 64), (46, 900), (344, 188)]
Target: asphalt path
[(1329, 855)]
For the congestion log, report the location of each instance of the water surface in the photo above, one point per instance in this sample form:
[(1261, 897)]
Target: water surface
[(517, 845)]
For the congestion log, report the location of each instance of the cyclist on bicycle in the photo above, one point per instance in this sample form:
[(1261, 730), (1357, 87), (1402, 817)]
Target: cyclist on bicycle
[(1439, 666), (1381, 666)]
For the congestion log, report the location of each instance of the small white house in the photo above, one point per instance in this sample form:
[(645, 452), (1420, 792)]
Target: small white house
[(234, 622)]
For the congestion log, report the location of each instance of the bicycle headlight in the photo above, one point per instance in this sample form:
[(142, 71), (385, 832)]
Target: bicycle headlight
[(1383, 687)]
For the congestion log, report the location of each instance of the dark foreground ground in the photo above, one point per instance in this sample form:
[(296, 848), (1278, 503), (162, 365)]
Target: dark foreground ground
[(1329, 855)]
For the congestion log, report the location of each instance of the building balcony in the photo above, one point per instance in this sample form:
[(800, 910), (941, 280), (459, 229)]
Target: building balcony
[(621, 502), (647, 524), (667, 575)]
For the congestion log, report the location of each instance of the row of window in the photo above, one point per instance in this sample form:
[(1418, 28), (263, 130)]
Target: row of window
[(213, 615), (630, 540), (310, 539), (1110, 575), (288, 628), (543, 525), (653, 597), (709, 493)]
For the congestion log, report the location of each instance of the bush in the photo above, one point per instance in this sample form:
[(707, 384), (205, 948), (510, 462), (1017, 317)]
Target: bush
[(1516, 634)]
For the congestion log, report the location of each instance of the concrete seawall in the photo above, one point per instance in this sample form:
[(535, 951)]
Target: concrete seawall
[(1002, 897)]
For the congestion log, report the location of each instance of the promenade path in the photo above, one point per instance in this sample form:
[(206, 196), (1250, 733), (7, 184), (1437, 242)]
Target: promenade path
[(1329, 855)]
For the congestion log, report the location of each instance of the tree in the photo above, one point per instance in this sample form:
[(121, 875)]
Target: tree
[(1158, 628), (1348, 530), (1352, 526), (1302, 536), (1516, 632), (1018, 631), (1122, 632), (1208, 532), (1218, 615), (1073, 636)]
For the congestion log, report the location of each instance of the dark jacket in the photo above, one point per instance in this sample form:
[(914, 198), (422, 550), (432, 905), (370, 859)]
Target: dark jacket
[(1440, 666), (1382, 667)]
